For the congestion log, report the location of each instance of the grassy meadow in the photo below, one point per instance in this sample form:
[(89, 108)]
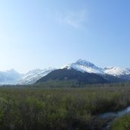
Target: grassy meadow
[(31, 108)]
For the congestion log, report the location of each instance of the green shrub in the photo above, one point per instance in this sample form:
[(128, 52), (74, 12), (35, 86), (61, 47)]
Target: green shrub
[(122, 123)]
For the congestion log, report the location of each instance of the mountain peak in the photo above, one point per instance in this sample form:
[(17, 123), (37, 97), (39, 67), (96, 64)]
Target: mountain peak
[(84, 63), (84, 66), (11, 71)]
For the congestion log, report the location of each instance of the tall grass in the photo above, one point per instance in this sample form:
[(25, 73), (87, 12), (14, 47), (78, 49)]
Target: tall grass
[(59, 109)]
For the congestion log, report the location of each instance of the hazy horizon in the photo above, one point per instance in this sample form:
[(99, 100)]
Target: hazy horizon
[(48, 33)]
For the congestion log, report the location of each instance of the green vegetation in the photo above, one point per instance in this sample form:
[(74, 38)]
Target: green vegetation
[(34, 108), (74, 84), (122, 123)]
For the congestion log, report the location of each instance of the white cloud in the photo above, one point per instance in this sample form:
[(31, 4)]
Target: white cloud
[(75, 19)]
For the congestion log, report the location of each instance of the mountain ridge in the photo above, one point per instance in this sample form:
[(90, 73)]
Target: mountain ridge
[(72, 75), (9, 77), (92, 68), (13, 77)]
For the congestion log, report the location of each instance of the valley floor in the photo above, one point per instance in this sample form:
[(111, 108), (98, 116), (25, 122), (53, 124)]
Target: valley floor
[(31, 108)]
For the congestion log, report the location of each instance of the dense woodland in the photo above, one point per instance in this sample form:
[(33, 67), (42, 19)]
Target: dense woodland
[(37, 107)]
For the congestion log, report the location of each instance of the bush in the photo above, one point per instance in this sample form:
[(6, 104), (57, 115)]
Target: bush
[(122, 123)]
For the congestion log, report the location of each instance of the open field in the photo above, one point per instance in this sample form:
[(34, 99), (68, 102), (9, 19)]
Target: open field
[(60, 109)]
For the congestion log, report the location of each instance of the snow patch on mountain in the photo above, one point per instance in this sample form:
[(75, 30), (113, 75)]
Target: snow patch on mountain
[(84, 66), (117, 71), (32, 76)]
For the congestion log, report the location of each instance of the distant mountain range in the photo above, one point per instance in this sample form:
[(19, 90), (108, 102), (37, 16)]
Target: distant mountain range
[(85, 72), (9, 77), (80, 70), (32, 76)]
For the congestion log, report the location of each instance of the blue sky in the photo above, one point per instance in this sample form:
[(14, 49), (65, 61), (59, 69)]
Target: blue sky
[(51, 33)]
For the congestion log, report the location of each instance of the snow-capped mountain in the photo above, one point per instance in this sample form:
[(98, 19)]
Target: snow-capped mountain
[(34, 75), (117, 71), (13, 77), (123, 73), (9, 77), (85, 66)]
